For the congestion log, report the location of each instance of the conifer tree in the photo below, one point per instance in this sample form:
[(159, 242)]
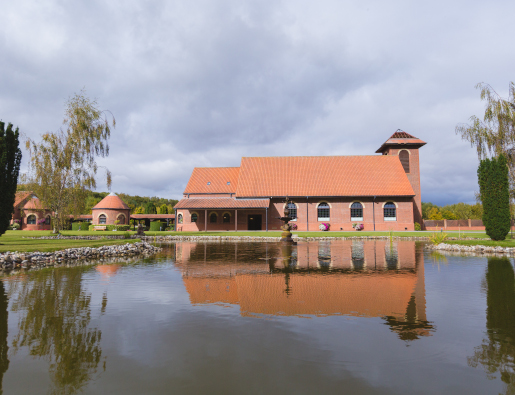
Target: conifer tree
[(495, 196), (10, 159)]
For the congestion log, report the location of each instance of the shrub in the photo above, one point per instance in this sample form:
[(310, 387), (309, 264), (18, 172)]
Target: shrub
[(494, 191), (417, 226), (324, 226), (126, 235), (121, 228), (157, 225), (16, 226), (437, 238), (81, 225)]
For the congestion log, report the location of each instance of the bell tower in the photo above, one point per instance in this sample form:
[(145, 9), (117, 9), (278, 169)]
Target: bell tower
[(406, 147)]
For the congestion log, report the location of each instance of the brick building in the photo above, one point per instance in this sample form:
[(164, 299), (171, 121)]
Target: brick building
[(30, 213), (111, 210), (382, 192)]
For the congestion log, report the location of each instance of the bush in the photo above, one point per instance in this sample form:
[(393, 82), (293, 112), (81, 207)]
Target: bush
[(437, 238), (157, 225), (16, 226), (494, 191), (417, 226), (81, 225), (126, 235), (324, 226)]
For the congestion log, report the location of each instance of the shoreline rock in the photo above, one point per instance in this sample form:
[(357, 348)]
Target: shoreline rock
[(476, 249), (13, 260)]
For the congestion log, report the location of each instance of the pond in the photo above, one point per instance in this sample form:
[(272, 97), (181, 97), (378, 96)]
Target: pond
[(357, 317)]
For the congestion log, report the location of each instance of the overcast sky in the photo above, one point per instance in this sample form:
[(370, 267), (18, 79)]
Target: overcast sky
[(205, 82)]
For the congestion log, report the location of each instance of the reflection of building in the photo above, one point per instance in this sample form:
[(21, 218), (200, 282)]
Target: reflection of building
[(315, 278), (30, 213), (381, 192)]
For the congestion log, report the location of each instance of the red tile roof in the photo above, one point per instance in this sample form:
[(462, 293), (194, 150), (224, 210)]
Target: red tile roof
[(20, 197), (213, 180), (33, 204), (402, 138), (152, 216), (323, 176), (111, 201), (222, 203)]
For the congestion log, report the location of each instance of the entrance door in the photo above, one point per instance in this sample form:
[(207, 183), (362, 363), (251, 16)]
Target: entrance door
[(254, 221)]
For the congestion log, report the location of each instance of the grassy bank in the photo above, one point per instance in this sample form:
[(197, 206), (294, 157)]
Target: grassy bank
[(485, 242), (18, 241)]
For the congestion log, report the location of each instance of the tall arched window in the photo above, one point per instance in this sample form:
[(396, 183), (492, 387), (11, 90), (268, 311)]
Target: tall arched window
[(404, 157), (356, 211), (390, 212), (121, 219), (179, 218), (31, 219), (47, 220), (226, 218), (212, 218), (293, 211), (102, 219), (194, 217), (323, 212)]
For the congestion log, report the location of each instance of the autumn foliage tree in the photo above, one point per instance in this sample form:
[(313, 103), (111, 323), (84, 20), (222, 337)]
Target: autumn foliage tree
[(63, 164), (10, 159)]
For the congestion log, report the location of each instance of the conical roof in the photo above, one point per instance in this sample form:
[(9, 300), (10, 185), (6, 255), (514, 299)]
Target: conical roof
[(112, 202)]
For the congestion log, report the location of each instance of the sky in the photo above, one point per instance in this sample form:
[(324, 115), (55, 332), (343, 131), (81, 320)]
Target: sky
[(205, 82)]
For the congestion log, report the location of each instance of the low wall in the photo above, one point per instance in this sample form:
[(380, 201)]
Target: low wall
[(451, 224)]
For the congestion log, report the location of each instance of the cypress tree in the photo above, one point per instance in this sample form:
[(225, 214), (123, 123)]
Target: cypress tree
[(494, 190), (10, 159), (150, 208)]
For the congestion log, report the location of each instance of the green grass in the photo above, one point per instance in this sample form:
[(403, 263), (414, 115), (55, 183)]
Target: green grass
[(490, 243), (19, 241)]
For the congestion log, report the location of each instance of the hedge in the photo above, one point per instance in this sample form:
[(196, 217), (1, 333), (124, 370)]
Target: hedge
[(82, 225), (157, 225)]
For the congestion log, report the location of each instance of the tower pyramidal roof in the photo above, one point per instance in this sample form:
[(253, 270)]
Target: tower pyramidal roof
[(113, 202)]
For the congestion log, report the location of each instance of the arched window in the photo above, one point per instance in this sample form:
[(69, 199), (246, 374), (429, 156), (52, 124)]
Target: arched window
[(121, 219), (31, 219), (226, 218), (179, 218), (293, 211), (212, 218), (390, 212), (323, 212), (47, 220), (404, 157), (102, 219), (356, 211), (194, 217)]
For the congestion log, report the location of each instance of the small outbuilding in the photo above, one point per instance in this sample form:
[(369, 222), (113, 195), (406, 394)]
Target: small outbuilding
[(110, 210)]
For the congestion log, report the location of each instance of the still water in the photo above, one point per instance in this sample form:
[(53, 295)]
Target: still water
[(342, 317)]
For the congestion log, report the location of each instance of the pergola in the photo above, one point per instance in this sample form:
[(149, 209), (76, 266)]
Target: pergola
[(224, 204)]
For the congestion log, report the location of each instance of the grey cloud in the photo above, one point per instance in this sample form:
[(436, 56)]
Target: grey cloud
[(203, 83)]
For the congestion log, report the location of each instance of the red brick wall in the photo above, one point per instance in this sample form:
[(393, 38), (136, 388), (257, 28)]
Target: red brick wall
[(340, 218), (414, 179), (39, 215), (111, 216)]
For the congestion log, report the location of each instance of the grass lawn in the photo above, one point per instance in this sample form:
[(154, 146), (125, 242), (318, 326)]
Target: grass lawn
[(18, 241), (490, 243)]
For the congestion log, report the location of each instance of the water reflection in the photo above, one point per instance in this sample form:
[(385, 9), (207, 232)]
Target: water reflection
[(497, 352), (4, 361), (355, 278), (54, 324)]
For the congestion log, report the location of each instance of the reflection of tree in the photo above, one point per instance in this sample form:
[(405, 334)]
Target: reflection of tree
[(4, 362), (410, 328), (55, 315), (497, 352)]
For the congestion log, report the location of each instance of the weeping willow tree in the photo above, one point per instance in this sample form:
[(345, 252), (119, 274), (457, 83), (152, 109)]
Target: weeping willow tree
[(63, 164), (495, 133)]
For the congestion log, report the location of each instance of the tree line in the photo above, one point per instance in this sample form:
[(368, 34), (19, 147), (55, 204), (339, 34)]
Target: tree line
[(432, 211), (137, 204)]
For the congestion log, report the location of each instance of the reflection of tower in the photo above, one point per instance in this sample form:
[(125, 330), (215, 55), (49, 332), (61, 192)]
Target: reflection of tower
[(497, 353), (414, 323), (4, 362)]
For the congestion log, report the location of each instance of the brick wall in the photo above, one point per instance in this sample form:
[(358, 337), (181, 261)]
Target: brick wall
[(112, 216)]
